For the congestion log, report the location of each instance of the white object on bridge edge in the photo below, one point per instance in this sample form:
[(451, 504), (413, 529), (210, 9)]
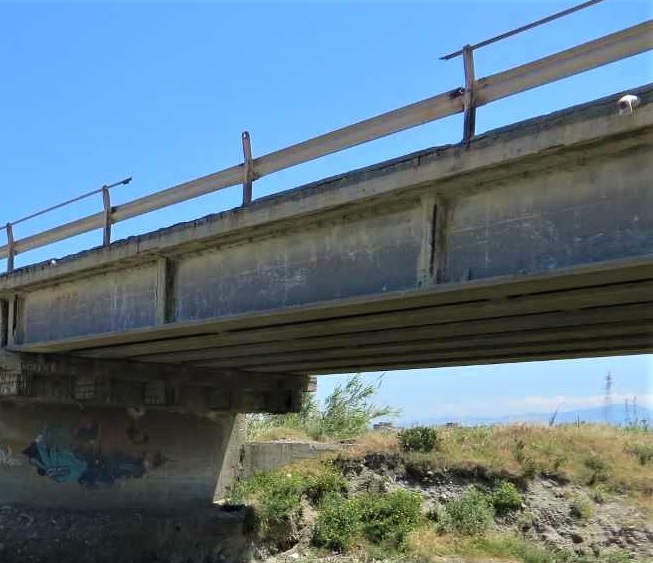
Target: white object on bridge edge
[(627, 104)]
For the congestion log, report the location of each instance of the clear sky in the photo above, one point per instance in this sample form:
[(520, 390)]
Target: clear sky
[(92, 92)]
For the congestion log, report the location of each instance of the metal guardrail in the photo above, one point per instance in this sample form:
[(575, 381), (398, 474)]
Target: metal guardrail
[(476, 92)]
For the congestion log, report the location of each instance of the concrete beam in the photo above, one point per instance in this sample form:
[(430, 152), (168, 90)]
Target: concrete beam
[(590, 130), (38, 378)]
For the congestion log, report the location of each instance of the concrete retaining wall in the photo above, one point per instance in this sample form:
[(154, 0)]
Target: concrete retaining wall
[(263, 456)]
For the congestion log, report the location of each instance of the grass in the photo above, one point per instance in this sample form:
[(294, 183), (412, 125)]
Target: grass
[(429, 546), (586, 454)]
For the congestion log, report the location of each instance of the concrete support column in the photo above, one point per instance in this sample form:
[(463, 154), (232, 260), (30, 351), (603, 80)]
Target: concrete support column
[(230, 455), (94, 458)]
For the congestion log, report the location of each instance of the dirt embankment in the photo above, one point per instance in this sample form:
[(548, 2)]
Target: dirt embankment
[(555, 516)]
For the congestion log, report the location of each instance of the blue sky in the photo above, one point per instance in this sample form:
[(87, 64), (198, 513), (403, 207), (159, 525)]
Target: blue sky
[(93, 92)]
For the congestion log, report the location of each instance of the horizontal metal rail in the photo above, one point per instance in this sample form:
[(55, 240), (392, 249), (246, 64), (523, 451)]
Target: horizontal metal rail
[(599, 52)]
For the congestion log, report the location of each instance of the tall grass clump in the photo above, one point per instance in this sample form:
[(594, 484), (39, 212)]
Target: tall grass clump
[(469, 515)]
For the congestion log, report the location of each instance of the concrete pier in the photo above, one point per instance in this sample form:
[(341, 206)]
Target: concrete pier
[(105, 458), (84, 434)]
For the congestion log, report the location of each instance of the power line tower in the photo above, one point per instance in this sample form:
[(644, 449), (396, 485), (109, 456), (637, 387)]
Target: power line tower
[(607, 401)]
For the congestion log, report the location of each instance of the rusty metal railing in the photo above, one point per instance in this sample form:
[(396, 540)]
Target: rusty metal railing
[(466, 99)]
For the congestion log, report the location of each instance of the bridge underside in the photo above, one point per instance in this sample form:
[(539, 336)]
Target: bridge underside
[(604, 309)]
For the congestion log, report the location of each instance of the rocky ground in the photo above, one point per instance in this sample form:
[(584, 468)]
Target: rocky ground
[(29, 535)]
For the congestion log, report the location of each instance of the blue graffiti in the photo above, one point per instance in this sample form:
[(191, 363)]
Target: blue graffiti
[(63, 459)]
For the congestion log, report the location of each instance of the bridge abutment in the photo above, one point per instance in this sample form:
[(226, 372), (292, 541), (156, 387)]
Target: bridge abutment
[(80, 434), (106, 458)]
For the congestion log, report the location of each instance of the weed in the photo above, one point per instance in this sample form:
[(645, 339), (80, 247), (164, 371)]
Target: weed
[(506, 498), (518, 450), (276, 495), (643, 452), (599, 469), (347, 412), (418, 439), (388, 519), (526, 521), (529, 469), (469, 515), (338, 523), (599, 495), (581, 508), (321, 482)]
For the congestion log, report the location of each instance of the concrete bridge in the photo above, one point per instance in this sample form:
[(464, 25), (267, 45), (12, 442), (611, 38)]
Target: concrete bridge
[(530, 242)]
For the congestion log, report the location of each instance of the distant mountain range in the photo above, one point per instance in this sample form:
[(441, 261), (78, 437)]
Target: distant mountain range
[(616, 414)]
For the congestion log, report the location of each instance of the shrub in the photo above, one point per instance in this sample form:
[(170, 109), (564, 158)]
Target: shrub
[(419, 439), (347, 412), (338, 523), (323, 482), (389, 518), (506, 498), (469, 515), (277, 496)]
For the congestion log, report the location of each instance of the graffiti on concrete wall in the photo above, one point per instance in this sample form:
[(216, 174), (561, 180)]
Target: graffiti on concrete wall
[(83, 456), (7, 458)]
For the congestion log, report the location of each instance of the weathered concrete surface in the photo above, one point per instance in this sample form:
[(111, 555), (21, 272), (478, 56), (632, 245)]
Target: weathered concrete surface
[(568, 216), (534, 242), (263, 456), (77, 458), (88, 383)]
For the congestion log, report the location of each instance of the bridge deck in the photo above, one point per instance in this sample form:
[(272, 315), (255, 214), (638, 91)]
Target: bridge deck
[(535, 242)]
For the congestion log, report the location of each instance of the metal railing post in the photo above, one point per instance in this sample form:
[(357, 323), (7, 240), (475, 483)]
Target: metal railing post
[(11, 245), (106, 200), (248, 169), (469, 98)]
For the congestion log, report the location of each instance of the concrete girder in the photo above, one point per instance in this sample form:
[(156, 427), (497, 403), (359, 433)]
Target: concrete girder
[(60, 379)]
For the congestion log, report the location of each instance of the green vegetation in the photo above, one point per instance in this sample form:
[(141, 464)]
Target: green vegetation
[(381, 520), (347, 412), (506, 498), (598, 455), (599, 469), (418, 439), (277, 495), (338, 523), (469, 515), (591, 463), (428, 546), (388, 519), (643, 452)]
